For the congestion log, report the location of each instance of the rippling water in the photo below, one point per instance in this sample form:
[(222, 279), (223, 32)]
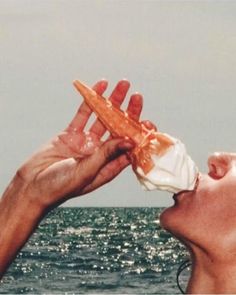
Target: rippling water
[(98, 250)]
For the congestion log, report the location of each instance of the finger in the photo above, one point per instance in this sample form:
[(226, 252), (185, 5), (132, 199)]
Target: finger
[(100, 86), (109, 151), (149, 125), (119, 93), (82, 116), (135, 106), (81, 172), (117, 97), (107, 173), (89, 167)]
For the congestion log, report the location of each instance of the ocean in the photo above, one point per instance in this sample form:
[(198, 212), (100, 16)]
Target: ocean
[(98, 250)]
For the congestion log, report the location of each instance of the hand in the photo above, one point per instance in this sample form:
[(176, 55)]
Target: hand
[(73, 163), (76, 162)]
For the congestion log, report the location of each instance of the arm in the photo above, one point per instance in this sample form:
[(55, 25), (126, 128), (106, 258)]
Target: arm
[(72, 164)]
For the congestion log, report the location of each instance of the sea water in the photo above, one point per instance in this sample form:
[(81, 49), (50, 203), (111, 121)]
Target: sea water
[(98, 250)]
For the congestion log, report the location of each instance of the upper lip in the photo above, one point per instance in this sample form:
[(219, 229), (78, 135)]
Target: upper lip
[(175, 196)]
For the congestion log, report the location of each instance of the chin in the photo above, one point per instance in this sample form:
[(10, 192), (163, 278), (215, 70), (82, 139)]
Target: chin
[(173, 219), (167, 219)]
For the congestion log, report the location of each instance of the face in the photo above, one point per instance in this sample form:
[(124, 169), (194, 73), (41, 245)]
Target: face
[(207, 216)]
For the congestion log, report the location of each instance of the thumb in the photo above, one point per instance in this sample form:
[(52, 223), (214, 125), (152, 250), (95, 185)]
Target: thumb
[(111, 149), (108, 151)]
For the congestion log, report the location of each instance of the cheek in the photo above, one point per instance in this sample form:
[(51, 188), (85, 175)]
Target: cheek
[(224, 206), (218, 201)]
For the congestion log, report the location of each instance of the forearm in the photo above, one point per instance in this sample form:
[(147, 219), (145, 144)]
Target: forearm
[(19, 215)]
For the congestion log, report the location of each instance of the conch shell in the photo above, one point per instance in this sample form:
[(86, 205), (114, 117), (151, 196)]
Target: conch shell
[(118, 123)]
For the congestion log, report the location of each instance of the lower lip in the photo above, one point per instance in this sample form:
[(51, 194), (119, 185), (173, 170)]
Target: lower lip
[(176, 196)]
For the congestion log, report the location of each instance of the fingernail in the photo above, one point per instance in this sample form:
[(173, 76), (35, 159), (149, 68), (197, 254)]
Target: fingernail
[(137, 98), (104, 83), (123, 85)]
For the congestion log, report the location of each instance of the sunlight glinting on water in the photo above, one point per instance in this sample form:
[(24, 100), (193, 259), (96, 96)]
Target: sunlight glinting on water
[(122, 250)]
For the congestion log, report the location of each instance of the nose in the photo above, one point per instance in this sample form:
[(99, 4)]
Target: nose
[(219, 164)]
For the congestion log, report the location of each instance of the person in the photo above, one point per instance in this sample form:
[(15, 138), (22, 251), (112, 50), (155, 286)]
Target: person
[(75, 163), (204, 220), (72, 164)]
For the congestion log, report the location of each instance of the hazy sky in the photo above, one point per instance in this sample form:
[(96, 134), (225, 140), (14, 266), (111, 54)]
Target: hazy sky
[(181, 55)]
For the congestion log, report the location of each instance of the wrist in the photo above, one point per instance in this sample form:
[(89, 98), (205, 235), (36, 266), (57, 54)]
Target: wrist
[(20, 197)]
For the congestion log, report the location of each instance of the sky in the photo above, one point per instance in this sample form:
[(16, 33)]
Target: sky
[(179, 54)]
